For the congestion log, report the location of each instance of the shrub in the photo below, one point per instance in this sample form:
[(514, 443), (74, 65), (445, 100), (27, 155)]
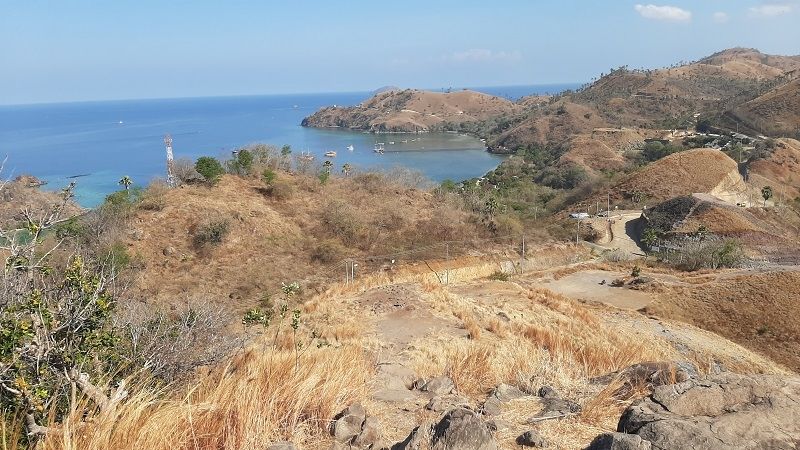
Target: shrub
[(280, 191), (499, 276), (153, 198), (213, 232), (209, 168), (342, 221), (185, 172), (268, 176), (328, 251)]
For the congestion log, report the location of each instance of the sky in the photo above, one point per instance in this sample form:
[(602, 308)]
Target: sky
[(82, 50)]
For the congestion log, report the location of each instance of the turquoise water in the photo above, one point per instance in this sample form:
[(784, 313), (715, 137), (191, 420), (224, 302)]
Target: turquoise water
[(96, 143)]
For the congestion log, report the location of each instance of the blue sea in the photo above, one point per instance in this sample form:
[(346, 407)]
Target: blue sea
[(96, 143)]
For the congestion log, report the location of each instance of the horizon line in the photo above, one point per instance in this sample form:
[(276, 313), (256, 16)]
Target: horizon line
[(111, 100)]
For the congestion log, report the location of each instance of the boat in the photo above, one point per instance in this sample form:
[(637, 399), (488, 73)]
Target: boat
[(391, 142), (330, 154), (378, 147), (350, 147), (306, 156)]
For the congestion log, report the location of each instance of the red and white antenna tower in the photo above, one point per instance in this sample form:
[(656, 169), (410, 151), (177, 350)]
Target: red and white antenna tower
[(171, 181)]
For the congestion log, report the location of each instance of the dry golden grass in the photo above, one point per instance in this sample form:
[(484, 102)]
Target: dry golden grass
[(260, 397)]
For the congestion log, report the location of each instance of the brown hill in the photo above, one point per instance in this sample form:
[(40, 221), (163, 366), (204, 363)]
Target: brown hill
[(297, 230), (664, 99), (25, 193), (776, 113), (702, 170), (412, 110), (758, 311), (781, 170)]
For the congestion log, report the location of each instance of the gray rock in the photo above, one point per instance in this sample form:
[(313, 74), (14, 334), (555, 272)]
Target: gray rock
[(619, 441), (725, 412), (532, 438), (462, 429), (548, 392), (347, 424), (505, 392), (498, 425), (418, 439), (491, 407), (282, 445), (439, 386), (445, 403), (555, 408), (370, 434)]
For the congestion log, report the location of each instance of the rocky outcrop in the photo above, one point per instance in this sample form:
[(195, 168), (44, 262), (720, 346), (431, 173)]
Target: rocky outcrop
[(353, 428), (725, 412), (459, 429)]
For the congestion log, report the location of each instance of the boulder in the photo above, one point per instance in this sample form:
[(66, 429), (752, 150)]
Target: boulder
[(462, 429), (505, 392), (555, 408), (491, 407), (548, 392), (725, 411), (619, 441), (445, 403), (369, 436), (347, 424), (418, 439), (439, 386), (532, 438)]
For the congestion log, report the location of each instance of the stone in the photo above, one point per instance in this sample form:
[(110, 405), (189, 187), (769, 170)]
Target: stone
[(726, 411), (168, 251), (619, 441), (555, 408), (282, 445), (505, 392), (445, 403), (462, 429), (439, 386), (548, 392), (370, 434), (418, 439), (498, 425), (532, 438), (347, 424), (492, 407)]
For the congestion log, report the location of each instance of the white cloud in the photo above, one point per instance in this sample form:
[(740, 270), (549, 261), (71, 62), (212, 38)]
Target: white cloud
[(720, 17), (772, 9), (666, 12), (483, 55)]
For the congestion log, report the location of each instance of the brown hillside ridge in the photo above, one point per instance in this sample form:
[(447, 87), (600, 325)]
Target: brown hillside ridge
[(756, 310), (412, 110), (664, 99), (701, 170), (781, 170)]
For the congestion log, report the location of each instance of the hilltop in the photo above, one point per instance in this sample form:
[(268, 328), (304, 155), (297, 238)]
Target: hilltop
[(412, 110)]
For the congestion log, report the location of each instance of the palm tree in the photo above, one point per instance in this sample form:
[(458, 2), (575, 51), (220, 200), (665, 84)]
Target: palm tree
[(126, 181), (346, 168), (327, 166)]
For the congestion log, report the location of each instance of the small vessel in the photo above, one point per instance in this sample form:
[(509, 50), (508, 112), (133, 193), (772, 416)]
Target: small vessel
[(330, 154), (391, 142), (306, 156), (350, 147), (378, 147)]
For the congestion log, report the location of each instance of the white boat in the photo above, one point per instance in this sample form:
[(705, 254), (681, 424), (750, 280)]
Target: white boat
[(350, 147), (378, 147), (330, 154), (391, 142)]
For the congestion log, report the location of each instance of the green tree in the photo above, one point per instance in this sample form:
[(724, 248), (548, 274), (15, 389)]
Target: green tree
[(286, 150), (126, 182), (650, 237), (209, 168), (766, 192), (242, 162), (268, 176)]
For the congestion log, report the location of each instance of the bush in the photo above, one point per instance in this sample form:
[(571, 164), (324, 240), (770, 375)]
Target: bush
[(328, 251), (499, 276), (211, 233), (280, 191), (342, 221), (185, 172), (268, 176), (708, 254), (153, 198), (653, 151), (209, 168)]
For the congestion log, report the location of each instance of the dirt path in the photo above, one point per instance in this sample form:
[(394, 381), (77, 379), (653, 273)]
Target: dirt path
[(587, 285)]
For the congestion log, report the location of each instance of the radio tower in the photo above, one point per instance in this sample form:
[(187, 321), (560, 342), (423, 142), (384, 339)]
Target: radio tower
[(171, 182)]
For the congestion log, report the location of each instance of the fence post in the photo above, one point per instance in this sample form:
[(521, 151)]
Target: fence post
[(447, 263)]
